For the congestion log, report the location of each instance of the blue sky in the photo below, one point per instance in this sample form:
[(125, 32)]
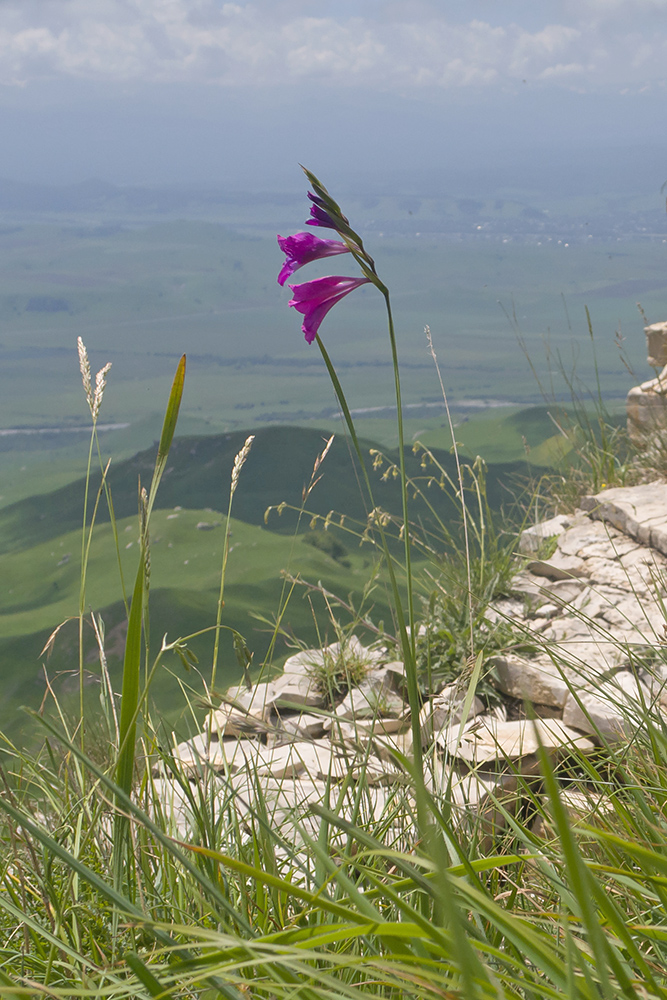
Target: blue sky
[(206, 91)]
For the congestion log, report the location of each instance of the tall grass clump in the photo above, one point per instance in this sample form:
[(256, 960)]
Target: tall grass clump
[(138, 872), (591, 448)]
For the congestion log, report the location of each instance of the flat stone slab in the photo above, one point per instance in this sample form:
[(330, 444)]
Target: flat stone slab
[(637, 511), (488, 740), (304, 725), (297, 689), (534, 537), (613, 710), (443, 711), (537, 681), (256, 701), (227, 721)]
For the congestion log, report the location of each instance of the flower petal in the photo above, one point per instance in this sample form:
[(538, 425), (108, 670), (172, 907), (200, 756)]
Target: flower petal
[(321, 218), (315, 298), (302, 248)]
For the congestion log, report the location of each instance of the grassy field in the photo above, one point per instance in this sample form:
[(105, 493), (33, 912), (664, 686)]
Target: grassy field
[(40, 548), (141, 297)]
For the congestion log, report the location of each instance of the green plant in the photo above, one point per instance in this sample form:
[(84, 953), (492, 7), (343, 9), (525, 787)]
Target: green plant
[(339, 669)]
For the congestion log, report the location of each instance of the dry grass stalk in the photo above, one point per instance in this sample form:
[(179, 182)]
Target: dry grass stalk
[(94, 399), (239, 462), (84, 365), (100, 385)]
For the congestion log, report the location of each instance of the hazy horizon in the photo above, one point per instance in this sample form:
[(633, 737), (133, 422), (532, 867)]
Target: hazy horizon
[(556, 96)]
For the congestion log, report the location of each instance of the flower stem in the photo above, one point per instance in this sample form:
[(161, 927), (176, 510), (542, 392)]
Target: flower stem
[(407, 642), (404, 478)]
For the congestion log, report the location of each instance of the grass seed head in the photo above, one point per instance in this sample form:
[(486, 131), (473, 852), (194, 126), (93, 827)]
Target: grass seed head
[(84, 365), (239, 461), (94, 399), (100, 384)]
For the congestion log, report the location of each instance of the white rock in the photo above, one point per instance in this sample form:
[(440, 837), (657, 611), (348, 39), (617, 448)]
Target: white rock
[(532, 538), (392, 676), (316, 759), (505, 609), (388, 742), (360, 730), (559, 567), (373, 698), (304, 725), (654, 679), (227, 721), (638, 511), (304, 661), (613, 708), (549, 610), (586, 538), (586, 648), (296, 689), (563, 592), (537, 681), (203, 754), (168, 804), (540, 591), (485, 741), (443, 711), (256, 702)]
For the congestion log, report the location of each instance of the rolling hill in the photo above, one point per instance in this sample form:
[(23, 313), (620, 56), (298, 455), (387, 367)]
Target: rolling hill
[(40, 545)]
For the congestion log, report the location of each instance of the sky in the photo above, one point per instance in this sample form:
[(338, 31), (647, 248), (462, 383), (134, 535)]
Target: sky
[(238, 93)]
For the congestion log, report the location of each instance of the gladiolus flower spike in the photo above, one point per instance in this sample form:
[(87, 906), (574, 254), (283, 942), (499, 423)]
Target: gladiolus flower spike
[(325, 212), (315, 298), (302, 248)]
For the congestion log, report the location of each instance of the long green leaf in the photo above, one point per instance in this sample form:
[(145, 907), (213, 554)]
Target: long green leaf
[(120, 902), (145, 976), (132, 659), (168, 430)]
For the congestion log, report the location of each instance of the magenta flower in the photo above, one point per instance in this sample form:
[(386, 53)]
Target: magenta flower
[(321, 217), (315, 298), (302, 248)]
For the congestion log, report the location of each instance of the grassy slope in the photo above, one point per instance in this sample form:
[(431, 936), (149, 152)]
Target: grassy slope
[(42, 590), (141, 297), (40, 542), (280, 464)]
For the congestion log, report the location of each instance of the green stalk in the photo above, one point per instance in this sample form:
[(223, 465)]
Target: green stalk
[(132, 661), (404, 478), (221, 596), (239, 462), (407, 645), (82, 588)]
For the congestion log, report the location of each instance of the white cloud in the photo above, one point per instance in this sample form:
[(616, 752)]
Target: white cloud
[(259, 44)]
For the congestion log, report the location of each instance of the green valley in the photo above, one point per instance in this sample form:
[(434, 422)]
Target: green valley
[(40, 549)]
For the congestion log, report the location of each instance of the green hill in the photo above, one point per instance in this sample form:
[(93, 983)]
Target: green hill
[(40, 545), (198, 475)]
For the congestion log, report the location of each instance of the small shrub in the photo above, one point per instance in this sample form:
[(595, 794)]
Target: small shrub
[(325, 542)]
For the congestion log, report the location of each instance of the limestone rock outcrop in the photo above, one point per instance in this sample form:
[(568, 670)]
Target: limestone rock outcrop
[(587, 608), (646, 404)]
